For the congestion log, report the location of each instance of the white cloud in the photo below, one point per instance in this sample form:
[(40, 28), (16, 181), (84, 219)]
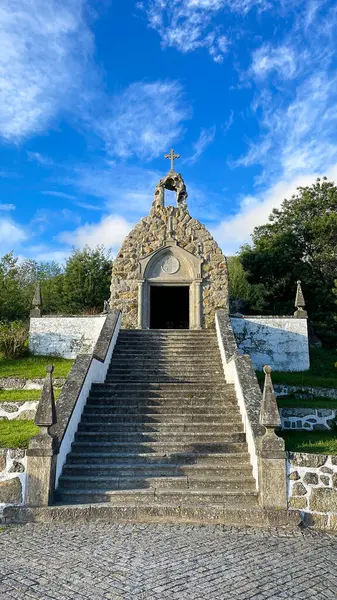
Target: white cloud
[(7, 207), (206, 137), (59, 195), (300, 137), (39, 158), (121, 188), (281, 59), (189, 24), (110, 232), (236, 230), (145, 119), (44, 49), (10, 234)]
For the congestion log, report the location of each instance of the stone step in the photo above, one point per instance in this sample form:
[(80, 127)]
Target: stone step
[(144, 377), (181, 387), (169, 496), (180, 404), (163, 437), (182, 366), (115, 427), (193, 513), (140, 470), (157, 332), (106, 392), (89, 482), (100, 414), (159, 409), (140, 373), (235, 444), (234, 456), (169, 345), (198, 354)]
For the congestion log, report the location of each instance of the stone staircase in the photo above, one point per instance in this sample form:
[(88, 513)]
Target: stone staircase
[(163, 434)]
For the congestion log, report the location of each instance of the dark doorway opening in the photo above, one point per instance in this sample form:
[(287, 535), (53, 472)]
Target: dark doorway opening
[(169, 307)]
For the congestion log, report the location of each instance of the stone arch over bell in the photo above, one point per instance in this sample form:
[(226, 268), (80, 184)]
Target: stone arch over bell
[(172, 266)]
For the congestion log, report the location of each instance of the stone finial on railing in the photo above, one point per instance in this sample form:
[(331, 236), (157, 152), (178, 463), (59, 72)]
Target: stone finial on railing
[(46, 414), (300, 311), (269, 415), (37, 302), (272, 467), (43, 449)]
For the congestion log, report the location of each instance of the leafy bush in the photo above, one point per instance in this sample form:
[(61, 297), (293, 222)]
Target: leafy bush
[(13, 337)]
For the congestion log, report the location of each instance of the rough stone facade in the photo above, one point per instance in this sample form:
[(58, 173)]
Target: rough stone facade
[(20, 410), (13, 464), (281, 342), (311, 419), (312, 488), (151, 234)]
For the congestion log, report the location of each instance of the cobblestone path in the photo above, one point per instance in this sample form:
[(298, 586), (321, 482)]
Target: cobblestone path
[(155, 562)]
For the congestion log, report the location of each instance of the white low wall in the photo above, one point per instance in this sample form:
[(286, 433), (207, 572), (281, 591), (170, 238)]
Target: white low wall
[(64, 336), (281, 342)]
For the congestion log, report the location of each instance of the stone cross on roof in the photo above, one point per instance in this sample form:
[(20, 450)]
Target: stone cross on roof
[(172, 157)]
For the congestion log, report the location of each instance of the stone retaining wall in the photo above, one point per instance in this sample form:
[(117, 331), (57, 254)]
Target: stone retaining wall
[(23, 411), (312, 488), (64, 336), (13, 463), (16, 383), (308, 418), (281, 342), (302, 391)]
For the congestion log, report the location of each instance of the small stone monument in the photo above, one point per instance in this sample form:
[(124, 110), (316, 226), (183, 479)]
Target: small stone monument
[(36, 302), (300, 311), (271, 451), (43, 449)]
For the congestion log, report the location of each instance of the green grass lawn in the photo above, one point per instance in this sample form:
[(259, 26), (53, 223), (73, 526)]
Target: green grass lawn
[(16, 434), (23, 395), (317, 442), (290, 401), (31, 367), (322, 372)]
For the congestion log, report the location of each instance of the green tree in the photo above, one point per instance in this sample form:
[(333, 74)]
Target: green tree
[(86, 282), (12, 299), (244, 296), (299, 242)]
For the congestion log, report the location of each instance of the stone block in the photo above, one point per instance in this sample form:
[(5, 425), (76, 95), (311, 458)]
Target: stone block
[(325, 479), (299, 503), (334, 480), (334, 460), (323, 500), (294, 476), (317, 521), (26, 415), (17, 467), (333, 522), (299, 489), (11, 491), (299, 459), (326, 470), (2, 460), (310, 478)]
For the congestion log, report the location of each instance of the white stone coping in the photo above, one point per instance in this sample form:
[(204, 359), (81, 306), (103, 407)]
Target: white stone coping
[(96, 373), (239, 371)]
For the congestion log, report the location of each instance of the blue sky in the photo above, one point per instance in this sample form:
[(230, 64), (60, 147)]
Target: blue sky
[(94, 92)]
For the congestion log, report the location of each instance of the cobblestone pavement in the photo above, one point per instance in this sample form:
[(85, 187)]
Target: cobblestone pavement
[(155, 562)]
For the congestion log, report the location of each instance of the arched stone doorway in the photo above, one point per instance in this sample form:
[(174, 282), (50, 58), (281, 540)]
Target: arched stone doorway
[(169, 289)]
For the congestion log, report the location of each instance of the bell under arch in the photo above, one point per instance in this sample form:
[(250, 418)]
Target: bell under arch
[(169, 292)]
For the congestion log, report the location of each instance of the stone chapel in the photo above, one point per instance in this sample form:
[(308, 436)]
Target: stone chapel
[(169, 273)]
